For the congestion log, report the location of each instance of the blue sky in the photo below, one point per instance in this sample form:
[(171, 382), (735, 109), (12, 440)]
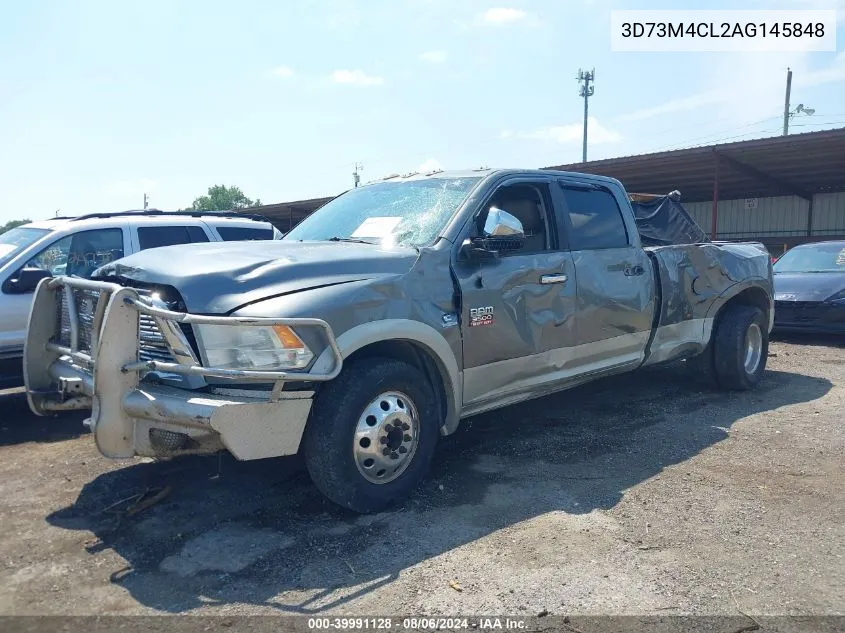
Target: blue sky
[(102, 101)]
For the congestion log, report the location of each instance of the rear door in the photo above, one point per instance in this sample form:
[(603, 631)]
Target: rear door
[(517, 309), (615, 296)]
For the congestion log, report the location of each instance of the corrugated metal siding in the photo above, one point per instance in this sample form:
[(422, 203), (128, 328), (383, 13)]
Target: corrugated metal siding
[(781, 215), (829, 214), (700, 212)]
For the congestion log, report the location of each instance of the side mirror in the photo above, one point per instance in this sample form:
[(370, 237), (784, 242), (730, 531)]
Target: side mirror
[(502, 232), (25, 280)]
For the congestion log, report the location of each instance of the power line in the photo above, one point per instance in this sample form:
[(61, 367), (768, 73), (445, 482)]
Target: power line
[(815, 124), (730, 129)]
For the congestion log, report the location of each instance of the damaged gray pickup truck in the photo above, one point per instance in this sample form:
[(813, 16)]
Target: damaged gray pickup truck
[(388, 315)]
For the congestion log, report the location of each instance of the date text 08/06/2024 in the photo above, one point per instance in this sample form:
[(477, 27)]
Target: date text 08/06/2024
[(417, 623)]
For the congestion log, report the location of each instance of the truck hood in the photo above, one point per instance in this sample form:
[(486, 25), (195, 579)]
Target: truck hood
[(808, 286), (218, 277)]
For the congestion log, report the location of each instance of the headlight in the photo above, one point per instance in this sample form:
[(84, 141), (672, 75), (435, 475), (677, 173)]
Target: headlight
[(274, 347)]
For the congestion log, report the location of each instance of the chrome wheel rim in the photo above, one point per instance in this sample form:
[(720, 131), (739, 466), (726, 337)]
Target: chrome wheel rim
[(386, 437), (753, 348)]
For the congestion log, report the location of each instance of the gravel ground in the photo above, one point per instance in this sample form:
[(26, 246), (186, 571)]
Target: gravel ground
[(648, 493)]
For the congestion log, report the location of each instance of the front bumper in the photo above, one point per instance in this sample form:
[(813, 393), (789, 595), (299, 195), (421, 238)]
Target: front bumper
[(132, 414), (809, 316)]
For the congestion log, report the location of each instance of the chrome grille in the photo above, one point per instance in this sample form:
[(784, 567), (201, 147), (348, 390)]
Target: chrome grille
[(152, 345)]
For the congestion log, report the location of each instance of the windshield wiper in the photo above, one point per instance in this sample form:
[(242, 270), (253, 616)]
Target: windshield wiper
[(350, 239)]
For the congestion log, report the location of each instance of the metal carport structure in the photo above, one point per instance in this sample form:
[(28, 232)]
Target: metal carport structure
[(286, 215), (799, 164)]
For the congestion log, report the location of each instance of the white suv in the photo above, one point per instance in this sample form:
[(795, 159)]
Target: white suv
[(78, 246)]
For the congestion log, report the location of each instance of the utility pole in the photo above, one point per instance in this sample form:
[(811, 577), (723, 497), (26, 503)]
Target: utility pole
[(146, 200), (587, 80), (355, 175), (786, 102)]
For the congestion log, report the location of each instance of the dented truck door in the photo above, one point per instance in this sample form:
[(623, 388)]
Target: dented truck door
[(616, 289), (517, 308)]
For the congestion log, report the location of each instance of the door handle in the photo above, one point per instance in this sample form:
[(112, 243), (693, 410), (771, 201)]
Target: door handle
[(559, 278), (634, 271)]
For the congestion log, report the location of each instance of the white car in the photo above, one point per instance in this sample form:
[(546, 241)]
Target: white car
[(78, 246)]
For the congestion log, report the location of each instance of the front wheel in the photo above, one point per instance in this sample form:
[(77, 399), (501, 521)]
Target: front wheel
[(371, 434), (741, 347)]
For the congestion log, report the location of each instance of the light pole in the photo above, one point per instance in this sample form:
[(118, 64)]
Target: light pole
[(587, 81), (799, 109)]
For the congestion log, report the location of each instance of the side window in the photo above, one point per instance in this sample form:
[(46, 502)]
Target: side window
[(80, 254), (528, 204), (197, 234), (595, 219), (155, 236), (234, 233), (53, 258)]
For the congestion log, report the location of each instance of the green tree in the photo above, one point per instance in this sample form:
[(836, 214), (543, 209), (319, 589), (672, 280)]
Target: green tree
[(12, 224), (222, 198)]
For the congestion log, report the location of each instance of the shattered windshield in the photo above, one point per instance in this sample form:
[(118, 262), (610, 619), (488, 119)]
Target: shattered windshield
[(409, 213)]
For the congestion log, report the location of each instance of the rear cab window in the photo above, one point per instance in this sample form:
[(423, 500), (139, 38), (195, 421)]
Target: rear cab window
[(169, 235), (595, 219)]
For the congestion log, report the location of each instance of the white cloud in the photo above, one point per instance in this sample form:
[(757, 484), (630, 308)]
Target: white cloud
[(432, 164), (282, 71), (356, 78), (500, 15), (434, 57), (572, 133)]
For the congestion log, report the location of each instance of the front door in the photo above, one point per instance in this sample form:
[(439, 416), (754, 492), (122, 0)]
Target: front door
[(518, 308)]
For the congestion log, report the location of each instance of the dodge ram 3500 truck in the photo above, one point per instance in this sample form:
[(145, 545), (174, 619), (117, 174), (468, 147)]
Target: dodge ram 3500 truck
[(388, 315)]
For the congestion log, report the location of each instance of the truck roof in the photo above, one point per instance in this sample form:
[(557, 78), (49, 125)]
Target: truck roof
[(487, 172)]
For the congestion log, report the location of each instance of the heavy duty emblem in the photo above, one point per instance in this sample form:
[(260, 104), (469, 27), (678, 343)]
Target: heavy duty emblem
[(481, 316)]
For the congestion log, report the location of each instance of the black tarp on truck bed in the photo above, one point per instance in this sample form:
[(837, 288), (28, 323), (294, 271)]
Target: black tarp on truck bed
[(662, 220)]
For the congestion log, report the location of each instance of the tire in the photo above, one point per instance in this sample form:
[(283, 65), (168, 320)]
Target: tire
[(382, 402), (740, 347)]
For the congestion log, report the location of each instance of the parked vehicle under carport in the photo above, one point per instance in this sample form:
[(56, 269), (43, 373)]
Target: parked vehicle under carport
[(809, 282)]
